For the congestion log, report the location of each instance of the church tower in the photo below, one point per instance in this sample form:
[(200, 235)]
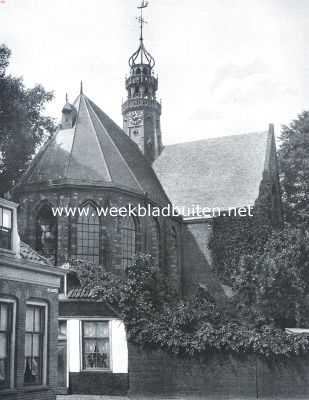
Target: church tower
[(141, 111)]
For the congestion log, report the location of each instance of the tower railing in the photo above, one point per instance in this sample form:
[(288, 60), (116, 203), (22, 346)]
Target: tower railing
[(142, 102)]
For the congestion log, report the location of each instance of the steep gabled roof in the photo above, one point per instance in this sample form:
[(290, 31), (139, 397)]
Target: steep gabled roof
[(220, 172), (94, 152), (27, 253)]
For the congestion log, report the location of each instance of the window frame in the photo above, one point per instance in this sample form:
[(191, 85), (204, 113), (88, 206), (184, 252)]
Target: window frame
[(125, 265), (44, 352), (12, 344), (9, 230), (81, 254), (82, 366), (154, 227)]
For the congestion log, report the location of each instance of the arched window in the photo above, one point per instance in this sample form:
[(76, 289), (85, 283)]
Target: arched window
[(128, 241), (154, 241), (88, 235), (172, 251), (46, 233)]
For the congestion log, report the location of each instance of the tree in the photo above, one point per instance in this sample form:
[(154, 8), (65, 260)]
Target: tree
[(22, 125), (294, 166), (272, 286)]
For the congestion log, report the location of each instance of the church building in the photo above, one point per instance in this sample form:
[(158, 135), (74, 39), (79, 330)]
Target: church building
[(91, 162)]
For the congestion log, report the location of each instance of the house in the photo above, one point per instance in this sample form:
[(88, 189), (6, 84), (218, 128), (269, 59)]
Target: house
[(28, 315)]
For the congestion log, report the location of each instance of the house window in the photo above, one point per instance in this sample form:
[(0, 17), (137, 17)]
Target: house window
[(128, 241), (35, 345), (96, 345), (88, 236), (6, 343), (6, 216)]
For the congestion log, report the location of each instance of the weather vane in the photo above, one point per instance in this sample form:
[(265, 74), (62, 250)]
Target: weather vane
[(140, 19)]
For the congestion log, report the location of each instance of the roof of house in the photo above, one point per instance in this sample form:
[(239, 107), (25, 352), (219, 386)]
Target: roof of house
[(29, 254), (80, 293), (94, 152), (219, 172)]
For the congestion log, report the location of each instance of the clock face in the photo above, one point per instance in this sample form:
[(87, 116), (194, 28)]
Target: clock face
[(135, 118)]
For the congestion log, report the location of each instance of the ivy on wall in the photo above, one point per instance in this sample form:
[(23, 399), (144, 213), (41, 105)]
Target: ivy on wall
[(156, 318), (235, 236)]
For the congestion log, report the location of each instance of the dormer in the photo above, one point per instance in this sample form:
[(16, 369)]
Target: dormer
[(69, 114), (9, 238)]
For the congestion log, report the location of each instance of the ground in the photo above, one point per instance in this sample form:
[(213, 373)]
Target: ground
[(85, 397)]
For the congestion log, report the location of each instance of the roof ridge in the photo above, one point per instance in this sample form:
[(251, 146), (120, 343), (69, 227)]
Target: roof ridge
[(67, 168), (116, 147), (97, 139), (217, 137)]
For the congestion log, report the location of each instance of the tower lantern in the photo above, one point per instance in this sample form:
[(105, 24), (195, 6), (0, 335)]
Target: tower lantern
[(141, 111)]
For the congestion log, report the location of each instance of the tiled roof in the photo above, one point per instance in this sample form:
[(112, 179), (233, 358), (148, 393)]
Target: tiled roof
[(80, 293), (29, 254), (94, 152), (220, 172)]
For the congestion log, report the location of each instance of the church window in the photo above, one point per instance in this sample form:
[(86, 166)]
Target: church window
[(95, 345), (154, 241), (172, 251), (46, 232), (128, 241), (88, 235)]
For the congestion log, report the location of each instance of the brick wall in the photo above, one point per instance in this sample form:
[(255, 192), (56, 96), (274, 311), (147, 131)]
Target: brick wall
[(217, 376), (99, 383), (23, 292)]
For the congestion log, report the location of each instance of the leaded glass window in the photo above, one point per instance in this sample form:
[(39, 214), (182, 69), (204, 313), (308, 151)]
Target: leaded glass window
[(172, 251), (34, 344), (96, 346), (128, 241), (6, 216), (88, 236), (154, 245), (46, 233), (6, 327)]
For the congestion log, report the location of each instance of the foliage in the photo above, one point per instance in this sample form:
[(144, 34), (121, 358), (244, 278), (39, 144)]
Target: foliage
[(236, 236), (156, 317), (22, 125), (294, 169), (272, 286)]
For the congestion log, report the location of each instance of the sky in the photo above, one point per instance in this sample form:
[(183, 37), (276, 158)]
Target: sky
[(224, 67)]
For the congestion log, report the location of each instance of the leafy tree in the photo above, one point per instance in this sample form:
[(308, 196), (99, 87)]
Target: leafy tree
[(22, 125), (272, 286), (294, 166)]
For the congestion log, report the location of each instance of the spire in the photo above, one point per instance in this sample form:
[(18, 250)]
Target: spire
[(140, 19), (142, 56), (66, 98), (81, 88)]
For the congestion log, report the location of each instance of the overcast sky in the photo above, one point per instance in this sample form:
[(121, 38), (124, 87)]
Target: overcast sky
[(224, 66)]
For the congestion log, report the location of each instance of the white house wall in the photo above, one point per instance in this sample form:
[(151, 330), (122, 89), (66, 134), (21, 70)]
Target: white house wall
[(119, 350)]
